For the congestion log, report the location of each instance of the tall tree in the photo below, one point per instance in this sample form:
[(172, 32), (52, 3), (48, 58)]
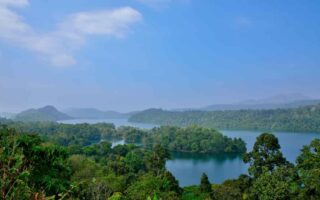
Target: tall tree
[(266, 154), (157, 159), (170, 183), (308, 165), (205, 185)]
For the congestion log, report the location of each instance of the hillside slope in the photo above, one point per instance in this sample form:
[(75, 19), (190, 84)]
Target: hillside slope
[(304, 119), (47, 113)]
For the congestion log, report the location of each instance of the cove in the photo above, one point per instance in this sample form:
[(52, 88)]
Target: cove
[(187, 168)]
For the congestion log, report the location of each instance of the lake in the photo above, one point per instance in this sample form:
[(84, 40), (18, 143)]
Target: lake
[(187, 168)]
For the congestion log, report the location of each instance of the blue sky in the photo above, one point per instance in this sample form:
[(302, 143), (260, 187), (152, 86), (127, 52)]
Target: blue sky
[(134, 54)]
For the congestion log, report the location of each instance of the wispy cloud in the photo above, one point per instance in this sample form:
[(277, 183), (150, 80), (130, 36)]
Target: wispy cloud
[(58, 46)]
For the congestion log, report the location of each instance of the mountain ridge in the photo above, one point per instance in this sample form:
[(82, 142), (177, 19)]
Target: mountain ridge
[(260, 106), (302, 119), (46, 113)]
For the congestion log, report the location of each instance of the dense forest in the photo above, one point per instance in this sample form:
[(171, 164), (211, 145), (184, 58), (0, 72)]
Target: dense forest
[(34, 168), (191, 139), (304, 119), (194, 139)]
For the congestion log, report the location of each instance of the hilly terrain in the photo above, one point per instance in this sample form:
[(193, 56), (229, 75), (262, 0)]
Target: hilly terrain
[(260, 106), (281, 101), (47, 113), (303, 119)]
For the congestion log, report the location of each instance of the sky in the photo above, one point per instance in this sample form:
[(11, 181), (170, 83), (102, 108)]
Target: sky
[(128, 55)]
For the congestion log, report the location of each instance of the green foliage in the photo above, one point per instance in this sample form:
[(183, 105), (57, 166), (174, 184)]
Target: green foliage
[(156, 160), (134, 161), (229, 190), (33, 169), (191, 139), (67, 134), (170, 183), (50, 169), (29, 166), (304, 119), (194, 193), (14, 168), (280, 184), (194, 139), (205, 185), (308, 166), (265, 154), (84, 168), (116, 196), (131, 134), (147, 186), (122, 170)]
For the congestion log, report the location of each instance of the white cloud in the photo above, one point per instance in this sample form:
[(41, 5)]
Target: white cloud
[(58, 46), (114, 22)]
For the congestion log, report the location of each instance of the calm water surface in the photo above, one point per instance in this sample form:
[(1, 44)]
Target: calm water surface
[(187, 168)]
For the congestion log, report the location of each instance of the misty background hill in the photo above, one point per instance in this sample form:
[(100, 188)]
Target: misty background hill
[(50, 113), (93, 113), (260, 106), (47, 113), (282, 101)]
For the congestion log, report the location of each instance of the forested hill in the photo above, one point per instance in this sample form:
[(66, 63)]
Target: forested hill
[(47, 113), (304, 119), (257, 105)]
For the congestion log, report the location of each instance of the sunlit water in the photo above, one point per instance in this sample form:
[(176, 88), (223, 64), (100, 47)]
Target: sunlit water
[(187, 168)]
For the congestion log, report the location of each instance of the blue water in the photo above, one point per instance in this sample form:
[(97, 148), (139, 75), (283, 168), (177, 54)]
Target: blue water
[(187, 168)]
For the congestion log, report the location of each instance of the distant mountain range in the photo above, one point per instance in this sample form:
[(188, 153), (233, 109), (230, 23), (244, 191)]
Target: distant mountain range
[(50, 113), (47, 113), (274, 102), (93, 113), (262, 106)]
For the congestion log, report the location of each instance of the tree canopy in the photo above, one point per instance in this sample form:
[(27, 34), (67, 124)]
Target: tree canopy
[(33, 168)]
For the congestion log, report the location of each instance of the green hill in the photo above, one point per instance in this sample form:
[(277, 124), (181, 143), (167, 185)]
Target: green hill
[(304, 119), (47, 113)]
